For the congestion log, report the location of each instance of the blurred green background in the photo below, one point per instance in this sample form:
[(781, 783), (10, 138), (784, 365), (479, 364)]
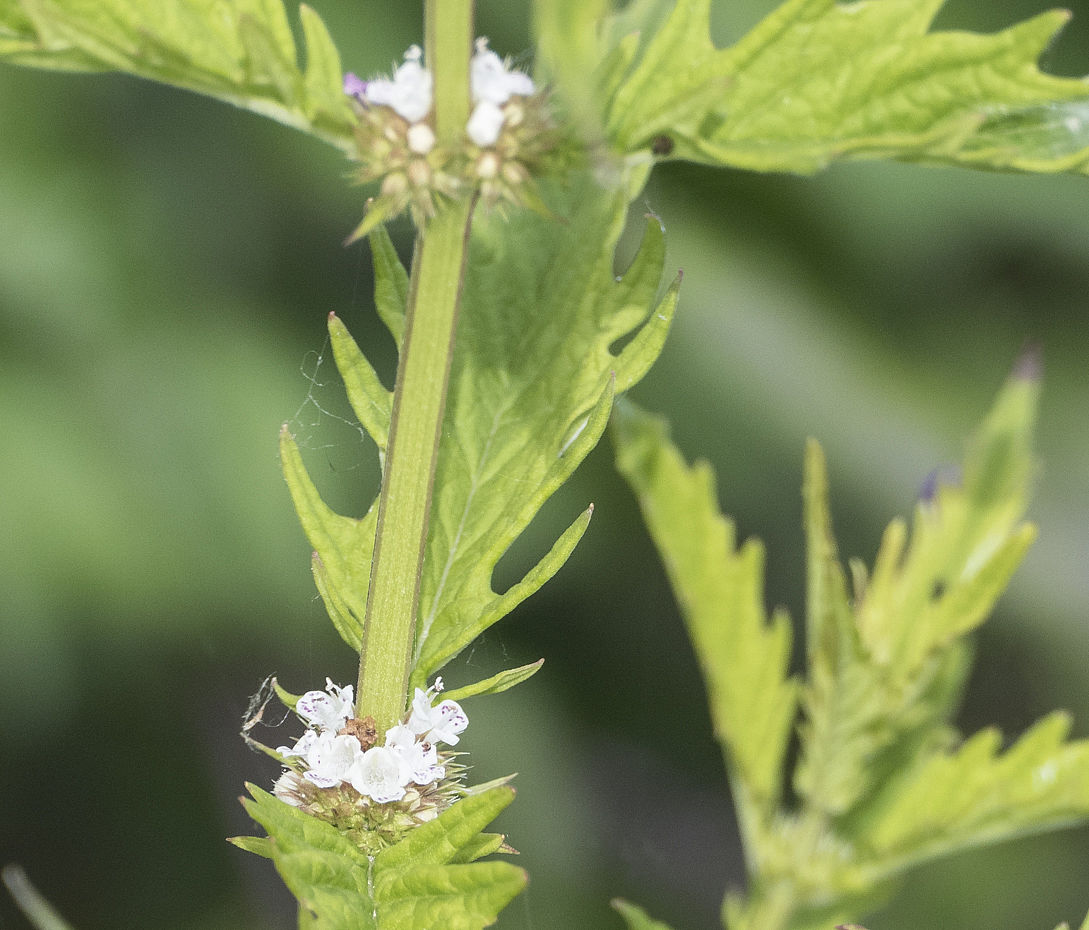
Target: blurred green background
[(166, 266)]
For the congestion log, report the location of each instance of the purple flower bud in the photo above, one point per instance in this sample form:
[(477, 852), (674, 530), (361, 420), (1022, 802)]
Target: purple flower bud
[(355, 86)]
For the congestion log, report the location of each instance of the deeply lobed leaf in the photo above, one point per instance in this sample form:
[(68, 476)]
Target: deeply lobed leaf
[(719, 586), (885, 670), (428, 879), (883, 782), (535, 368), (820, 80), (242, 52)]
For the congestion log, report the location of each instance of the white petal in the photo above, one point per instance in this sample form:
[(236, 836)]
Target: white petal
[(408, 93), (485, 123), (380, 775), (448, 721), (491, 80), (329, 709), (331, 757), (419, 721)]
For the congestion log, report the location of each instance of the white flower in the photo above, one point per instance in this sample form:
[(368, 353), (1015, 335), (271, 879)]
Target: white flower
[(448, 720), (330, 758), (420, 758), (436, 724), (484, 123), (408, 93), (287, 788), (380, 774), (302, 745), (490, 79), (329, 709)]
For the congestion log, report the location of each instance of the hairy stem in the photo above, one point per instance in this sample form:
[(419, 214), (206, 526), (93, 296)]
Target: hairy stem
[(419, 398)]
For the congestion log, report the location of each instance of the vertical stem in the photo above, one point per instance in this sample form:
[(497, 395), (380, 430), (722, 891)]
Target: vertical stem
[(448, 44), (419, 397)]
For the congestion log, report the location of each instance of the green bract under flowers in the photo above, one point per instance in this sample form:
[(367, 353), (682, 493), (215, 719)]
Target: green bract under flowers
[(507, 136), (374, 793)]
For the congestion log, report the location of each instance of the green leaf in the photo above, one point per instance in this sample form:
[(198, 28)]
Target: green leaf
[(635, 917), (535, 369), (719, 587), (531, 388), (427, 879), (820, 80), (243, 52), (974, 795), (886, 670), (497, 683), (343, 547), (883, 781)]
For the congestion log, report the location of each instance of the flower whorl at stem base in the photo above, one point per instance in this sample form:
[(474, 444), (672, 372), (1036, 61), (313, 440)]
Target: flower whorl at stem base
[(337, 772)]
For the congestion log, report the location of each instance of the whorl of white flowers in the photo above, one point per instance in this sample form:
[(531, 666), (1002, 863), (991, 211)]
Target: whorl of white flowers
[(338, 750), (506, 136)]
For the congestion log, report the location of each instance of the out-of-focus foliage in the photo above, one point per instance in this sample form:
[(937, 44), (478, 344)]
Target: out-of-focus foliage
[(882, 780)]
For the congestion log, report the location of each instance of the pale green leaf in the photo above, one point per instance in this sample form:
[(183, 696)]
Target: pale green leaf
[(427, 879), (390, 284), (242, 52), (343, 546), (635, 917), (819, 80), (976, 795), (719, 587), (534, 372), (369, 398), (530, 392), (348, 623), (497, 683), (885, 671)]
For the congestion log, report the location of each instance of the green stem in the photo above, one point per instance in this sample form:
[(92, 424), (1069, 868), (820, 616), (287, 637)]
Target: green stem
[(419, 397)]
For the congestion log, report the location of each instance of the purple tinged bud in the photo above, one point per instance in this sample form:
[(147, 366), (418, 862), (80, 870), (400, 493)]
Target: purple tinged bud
[(355, 86), (942, 476)]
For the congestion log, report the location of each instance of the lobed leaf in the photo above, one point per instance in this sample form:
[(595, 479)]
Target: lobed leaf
[(531, 387), (241, 52), (534, 372), (885, 671), (883, 781), (427, 879), (974, 795), (343, 546), (820, 80), (719, 587)]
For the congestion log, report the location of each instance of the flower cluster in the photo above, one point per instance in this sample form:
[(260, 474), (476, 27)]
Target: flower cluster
[(337, 771), (506, 137)]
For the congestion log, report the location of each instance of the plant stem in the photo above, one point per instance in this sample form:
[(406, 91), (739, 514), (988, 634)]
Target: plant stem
[(419, 397)]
